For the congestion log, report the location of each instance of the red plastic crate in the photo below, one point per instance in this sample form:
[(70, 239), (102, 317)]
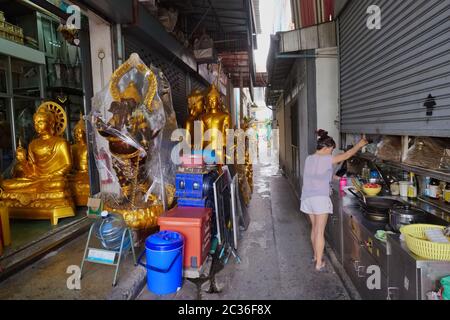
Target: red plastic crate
[(195, 226)]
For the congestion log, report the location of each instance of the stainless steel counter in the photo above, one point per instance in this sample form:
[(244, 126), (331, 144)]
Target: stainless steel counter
[(403, 274)]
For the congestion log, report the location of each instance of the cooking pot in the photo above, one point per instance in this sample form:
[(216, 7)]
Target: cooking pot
[(400, 216)]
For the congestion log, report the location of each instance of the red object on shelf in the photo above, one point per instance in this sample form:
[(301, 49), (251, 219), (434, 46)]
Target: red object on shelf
[(192, 160), (195, 226)]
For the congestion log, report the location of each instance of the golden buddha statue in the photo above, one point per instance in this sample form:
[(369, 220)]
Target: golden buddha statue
[(131, 144), (41, 190), (79, 179), (22, 168), (217, 120), (196, 108)]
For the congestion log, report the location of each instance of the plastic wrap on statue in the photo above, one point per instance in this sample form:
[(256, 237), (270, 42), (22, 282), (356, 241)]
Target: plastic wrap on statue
[(164, 160), (131, 120), (79, 179), (40, 189)]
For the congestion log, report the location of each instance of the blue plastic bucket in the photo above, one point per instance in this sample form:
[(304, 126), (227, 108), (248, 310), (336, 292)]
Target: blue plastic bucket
[(164, 253)]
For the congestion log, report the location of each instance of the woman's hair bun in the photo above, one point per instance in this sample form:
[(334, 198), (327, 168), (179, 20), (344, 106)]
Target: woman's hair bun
[(322, 133)]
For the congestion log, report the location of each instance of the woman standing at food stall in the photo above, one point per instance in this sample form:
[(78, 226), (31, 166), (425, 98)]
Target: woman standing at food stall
[(315, 200)]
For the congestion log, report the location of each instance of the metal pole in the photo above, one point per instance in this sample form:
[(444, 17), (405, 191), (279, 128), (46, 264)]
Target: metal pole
[(132, 246), (163, 192), (119, 45), (120, 255), (11, 104), (85, 250)]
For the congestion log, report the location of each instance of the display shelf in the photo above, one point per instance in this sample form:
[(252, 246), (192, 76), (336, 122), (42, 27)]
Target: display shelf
[(436, 203), (441, 175)]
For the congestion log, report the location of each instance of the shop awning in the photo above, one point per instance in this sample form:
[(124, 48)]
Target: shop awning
[(286, 47), (232, 25)]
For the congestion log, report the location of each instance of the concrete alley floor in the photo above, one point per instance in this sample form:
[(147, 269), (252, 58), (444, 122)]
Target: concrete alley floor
[(275, 252), (48, 278)]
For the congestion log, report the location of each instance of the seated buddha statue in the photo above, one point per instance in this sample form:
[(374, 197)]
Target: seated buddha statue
[(196, 108), (42, 191), (79, 179), (218, 122)]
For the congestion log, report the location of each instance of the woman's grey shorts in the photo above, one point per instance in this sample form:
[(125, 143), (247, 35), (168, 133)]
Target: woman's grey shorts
[(317, 205)]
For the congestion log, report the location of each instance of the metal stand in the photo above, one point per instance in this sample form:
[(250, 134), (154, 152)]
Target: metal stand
[(228, 248), (116, 254), (229, 251)]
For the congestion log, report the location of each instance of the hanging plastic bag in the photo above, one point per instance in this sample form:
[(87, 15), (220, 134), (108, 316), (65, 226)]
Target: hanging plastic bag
[(390, 148)]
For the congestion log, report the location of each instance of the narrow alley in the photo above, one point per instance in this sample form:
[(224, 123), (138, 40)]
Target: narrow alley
[(275, 263), (275, 251)]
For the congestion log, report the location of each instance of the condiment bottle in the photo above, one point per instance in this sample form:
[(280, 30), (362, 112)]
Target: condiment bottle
[(395, 189), (365, 173), (412, 188), (447, 193), (426, 187), (434, 189)]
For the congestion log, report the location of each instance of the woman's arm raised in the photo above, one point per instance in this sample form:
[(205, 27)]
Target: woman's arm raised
[(350, 153)]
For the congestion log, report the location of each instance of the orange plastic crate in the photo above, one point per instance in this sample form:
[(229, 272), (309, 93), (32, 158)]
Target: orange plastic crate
[(195, 226)]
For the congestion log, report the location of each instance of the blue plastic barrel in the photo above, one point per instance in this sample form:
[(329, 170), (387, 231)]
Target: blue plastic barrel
[(164, 253)]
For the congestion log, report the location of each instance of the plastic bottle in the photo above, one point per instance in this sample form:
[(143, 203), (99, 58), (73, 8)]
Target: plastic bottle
[(365, 174), (109, 230), (434, 189), (447, 193), (412, 188), (426, 187)]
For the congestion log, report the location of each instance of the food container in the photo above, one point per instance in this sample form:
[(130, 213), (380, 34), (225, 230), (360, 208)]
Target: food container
[(418, 244), (371, 189), (395, 189)]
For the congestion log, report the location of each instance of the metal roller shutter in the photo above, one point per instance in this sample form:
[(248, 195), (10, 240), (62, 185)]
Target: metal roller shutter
[(175, 75), (195, 84), (387, 74)]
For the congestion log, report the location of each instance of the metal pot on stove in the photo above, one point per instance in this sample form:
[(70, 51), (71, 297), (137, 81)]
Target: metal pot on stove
[(400, 216)]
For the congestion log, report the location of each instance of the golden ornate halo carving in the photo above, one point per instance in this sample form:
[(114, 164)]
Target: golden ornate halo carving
[(60, 115), (133, 62)]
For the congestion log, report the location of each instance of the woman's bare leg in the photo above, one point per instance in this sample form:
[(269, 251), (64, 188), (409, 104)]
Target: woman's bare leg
[(319, 241), (313, 234)]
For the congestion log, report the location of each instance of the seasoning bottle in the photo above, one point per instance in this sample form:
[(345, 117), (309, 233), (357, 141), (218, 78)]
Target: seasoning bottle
[(434, 189), (447, 193), (412, 188), (365, 174), (426, 186)]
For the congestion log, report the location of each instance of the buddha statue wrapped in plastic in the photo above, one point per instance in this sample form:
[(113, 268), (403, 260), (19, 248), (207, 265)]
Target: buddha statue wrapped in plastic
[(133, 132), (39, 187)]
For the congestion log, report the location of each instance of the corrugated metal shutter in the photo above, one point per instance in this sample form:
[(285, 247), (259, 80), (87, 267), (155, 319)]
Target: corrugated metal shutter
[(175, 75), (387, 74), (195, 84)]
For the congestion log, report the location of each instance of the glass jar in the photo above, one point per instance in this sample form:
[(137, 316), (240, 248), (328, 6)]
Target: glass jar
[(395, 189)]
